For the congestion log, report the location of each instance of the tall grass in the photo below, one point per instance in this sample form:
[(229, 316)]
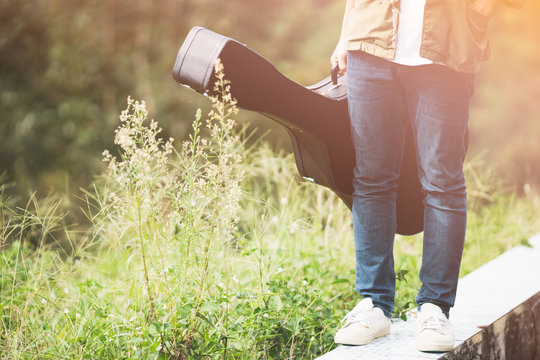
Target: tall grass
[(208, 250)]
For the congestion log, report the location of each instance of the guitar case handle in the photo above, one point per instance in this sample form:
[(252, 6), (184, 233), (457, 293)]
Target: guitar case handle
[(334, 74)]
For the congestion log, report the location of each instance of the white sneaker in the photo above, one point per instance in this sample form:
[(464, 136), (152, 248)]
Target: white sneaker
[(363, 324), (434, 331)]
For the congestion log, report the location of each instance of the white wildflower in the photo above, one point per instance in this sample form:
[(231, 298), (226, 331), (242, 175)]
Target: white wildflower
[(123, 138), (107, 155), (294, 227)]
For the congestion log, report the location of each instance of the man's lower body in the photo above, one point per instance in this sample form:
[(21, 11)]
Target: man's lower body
[(384, 98)]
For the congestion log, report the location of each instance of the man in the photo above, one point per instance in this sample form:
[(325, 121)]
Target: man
[(409, 64)]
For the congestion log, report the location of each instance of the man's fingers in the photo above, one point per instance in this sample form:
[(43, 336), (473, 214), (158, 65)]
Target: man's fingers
[(340, 57), (342, 65), (341, 61)]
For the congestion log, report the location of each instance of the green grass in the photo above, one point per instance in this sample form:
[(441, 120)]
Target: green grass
[(211, 250)]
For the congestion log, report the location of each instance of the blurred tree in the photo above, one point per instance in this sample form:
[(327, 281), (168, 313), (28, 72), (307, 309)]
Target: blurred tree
[(505, 118), (67, 67)]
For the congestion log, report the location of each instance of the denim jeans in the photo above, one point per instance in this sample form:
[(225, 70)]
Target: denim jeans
[(385, 97)]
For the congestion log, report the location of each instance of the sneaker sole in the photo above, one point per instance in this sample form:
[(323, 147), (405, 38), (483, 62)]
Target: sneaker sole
[(430, 347), (343, 340)]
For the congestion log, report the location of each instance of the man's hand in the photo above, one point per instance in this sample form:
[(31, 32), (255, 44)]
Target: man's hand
[(340, 53), (340, 57)]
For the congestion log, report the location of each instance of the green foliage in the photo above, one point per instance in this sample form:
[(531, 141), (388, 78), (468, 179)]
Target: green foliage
[(175, 277)]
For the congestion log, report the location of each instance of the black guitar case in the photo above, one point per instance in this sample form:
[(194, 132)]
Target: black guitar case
[(316, 117)]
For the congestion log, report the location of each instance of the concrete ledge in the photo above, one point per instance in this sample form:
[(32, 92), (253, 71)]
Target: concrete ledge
[(514, 336)]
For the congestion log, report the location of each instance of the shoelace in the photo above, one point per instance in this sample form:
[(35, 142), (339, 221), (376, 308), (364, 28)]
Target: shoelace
[(357, 316), (434, 323)]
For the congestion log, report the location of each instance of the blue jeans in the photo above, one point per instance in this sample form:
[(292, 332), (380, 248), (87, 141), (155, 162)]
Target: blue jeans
[(383, 98)]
